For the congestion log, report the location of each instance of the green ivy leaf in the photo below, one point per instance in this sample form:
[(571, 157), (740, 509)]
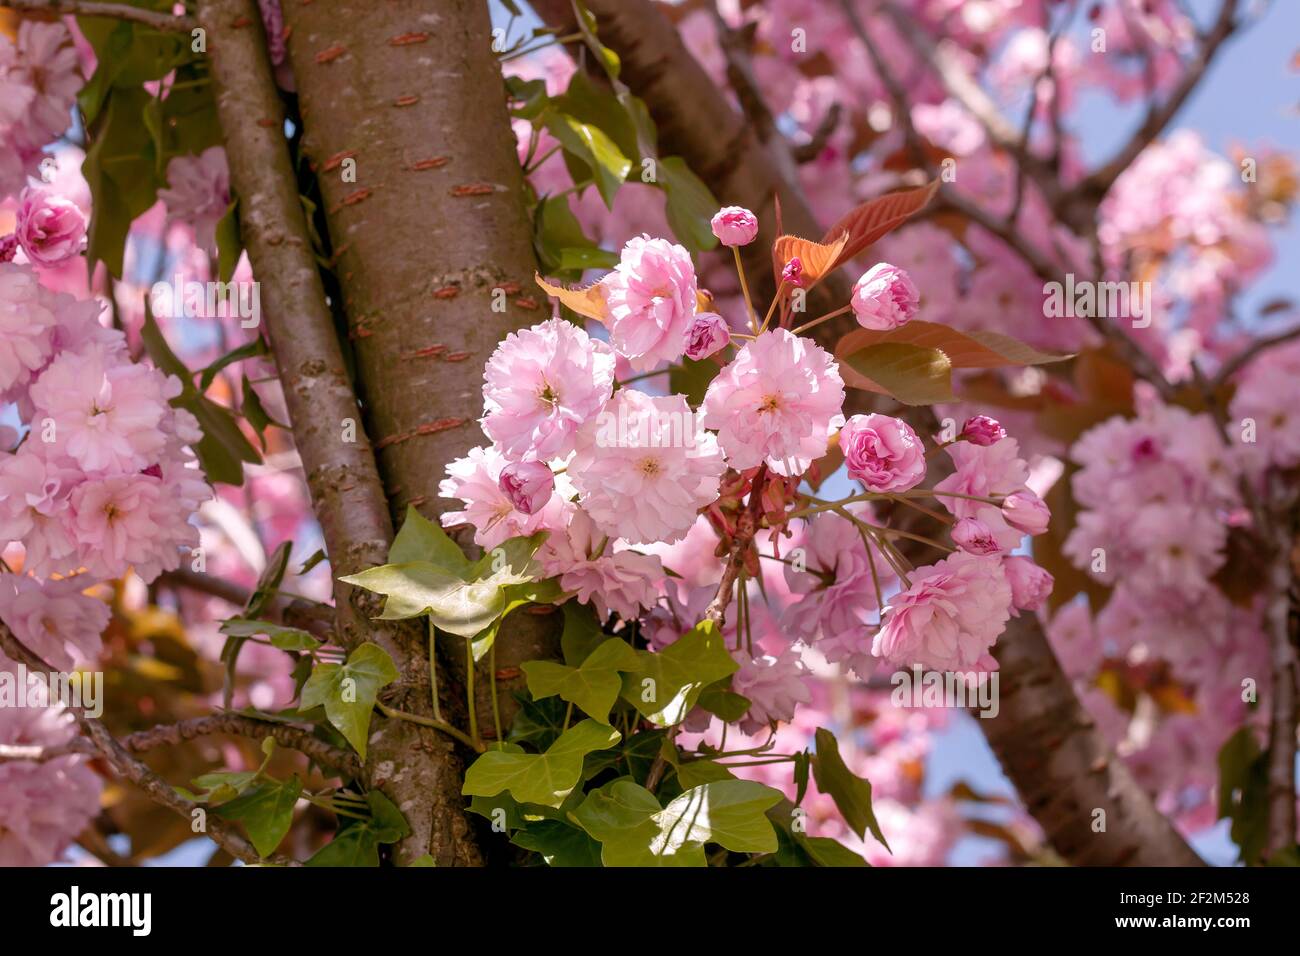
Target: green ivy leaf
[(348, 691), (665, 686), (634, 831), (516, 596), (423, 540), (594, 686), (582, 633), (693, 773), (1243, 792), (559, 844), (255, 412), (545, 778), (462, 602), (266, 812), (852, 794), (355, 845)]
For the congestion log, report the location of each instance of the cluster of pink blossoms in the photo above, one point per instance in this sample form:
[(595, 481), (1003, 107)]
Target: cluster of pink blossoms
[(632, 485), (39, 81), (97, 480)]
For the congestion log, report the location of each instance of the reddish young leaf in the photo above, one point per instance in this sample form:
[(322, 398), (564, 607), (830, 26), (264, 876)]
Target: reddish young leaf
[(588, 301), (878, 217)]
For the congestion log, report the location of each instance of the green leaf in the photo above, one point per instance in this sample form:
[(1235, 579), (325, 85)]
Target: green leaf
[(255, 412), (269, 581), (386, 820), (545, 778), (634, 831), (222, 785), (690, 205), (852, 794), (516, 596), (266, 812), (348, 691), (692, 378), (538, 722), (223, 447), (665, 686), (425, 860), (246, 351), (423, 540), (589, 103), (621, 816), (594, 686), (721, 701), (728, 812), (913, 374), (561, 244), (1243, 792), (462, 602), (229, 245), (119, 168), (827, 852), (693, 773), (587, 142), (582, 633), (284, 638), (559, 843), (353, 846)]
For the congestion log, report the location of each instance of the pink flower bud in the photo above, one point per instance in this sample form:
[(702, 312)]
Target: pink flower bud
[(1026, 512), (884, 298), (982, 430), (8, 247), (707, 334), (528, 485), (882, 452), (734, 226), (1030, 584), (49, 228), (792, 274), (974, 536)]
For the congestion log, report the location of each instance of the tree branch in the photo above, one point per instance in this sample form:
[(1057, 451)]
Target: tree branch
[(240, 725), (1095, 186), (118, 11)]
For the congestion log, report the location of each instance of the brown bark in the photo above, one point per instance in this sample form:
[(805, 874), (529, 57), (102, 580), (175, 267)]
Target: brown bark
[(1048, 746), (432, 247), (1284, 709), (418, 768)]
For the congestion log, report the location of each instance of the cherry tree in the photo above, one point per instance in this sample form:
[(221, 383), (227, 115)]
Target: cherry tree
[(622, 433)]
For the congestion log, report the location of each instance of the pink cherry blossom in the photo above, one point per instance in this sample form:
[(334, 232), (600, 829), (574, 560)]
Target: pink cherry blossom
[(34, 509), (883, 453), (1026, 512), (884, 298), (603, 573), (50, 229), (650, 297), (54, 619), (1030, 584), (734, 226), (644, 468), (773, 685), (982, 430), (45, 804), (540, 385), (949, 618), (708, 333), (106, 411), (792, 273), (778, 401), (982, 472), (528, 485), (476, 480), (974, 536), (198, 193)]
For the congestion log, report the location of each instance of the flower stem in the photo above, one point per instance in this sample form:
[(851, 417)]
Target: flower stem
[(744, 287), (445, 727), (818, 321)]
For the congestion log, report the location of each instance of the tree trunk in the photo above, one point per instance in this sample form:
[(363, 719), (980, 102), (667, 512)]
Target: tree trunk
[(1046, 742), (405, 124), (417, 768)]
